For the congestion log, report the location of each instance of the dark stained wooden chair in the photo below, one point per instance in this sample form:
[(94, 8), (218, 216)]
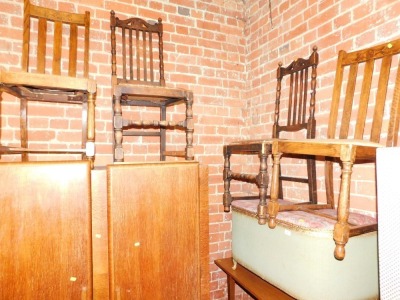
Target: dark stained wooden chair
[(300, 79), (137, 46), (43, 80), (364, 115)]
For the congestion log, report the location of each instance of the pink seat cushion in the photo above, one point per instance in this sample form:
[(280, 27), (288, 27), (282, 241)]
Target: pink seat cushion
[(302, 219)]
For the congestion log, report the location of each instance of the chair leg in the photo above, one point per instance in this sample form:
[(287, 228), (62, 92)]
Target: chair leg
[(273, 205), (163, 117), (342, 230), (117, 111), (280, 194), (90, 111), (227, 197), (1, 99), (23, 127), (262, 181), (85, 132), (189, 153), (312, 180)]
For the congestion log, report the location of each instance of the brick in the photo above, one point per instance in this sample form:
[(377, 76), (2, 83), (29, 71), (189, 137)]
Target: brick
[(11, 8)]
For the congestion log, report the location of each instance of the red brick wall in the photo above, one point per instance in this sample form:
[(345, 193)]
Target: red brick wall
[(226, 51)]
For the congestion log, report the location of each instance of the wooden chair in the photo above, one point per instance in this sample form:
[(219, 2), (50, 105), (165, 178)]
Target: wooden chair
[(45, 81), (301, 77), (142, 83), (362, 118)]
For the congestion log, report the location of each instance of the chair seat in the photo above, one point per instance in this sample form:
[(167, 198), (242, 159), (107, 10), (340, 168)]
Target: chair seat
[(21, 150), (262, 146), (251, 142), (313, 141), (329, 147), (150, 93), (47, 81), (355, 142)]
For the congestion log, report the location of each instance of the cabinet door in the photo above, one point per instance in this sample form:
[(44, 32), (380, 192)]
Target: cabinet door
[(154, 231), (45, 231)]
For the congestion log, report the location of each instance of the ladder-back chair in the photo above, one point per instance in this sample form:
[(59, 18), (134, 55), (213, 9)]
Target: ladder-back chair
[(43, 80), (137, 46), (364, 115), (300, 80)]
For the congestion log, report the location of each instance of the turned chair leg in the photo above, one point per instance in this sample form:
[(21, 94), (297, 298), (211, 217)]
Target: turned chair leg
[(23, 127), (341, 230), (163, 137), (118, 151), (312, 175), (85, 132), (189, 151), (262, 181), (273, 205), (89, 109), (227, 197)]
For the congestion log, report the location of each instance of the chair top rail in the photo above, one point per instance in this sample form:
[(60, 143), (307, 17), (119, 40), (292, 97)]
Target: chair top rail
[(58, 16)]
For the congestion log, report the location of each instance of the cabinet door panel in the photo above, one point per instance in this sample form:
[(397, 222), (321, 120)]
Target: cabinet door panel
[(153, 214), (45, 231)]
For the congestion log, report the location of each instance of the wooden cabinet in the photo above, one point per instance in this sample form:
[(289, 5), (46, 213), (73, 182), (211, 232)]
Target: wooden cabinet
[(56, 241), (157, 229), (45, 231)]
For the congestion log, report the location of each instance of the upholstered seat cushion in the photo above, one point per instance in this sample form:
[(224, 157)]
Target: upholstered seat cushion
[(305, 220)]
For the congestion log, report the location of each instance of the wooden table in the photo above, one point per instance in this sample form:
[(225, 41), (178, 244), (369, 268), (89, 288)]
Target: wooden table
[(251, 283)]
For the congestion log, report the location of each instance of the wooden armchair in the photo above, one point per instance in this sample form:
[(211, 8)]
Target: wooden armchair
[(300, 78), (45, 81), (362, 118), (141, 82)]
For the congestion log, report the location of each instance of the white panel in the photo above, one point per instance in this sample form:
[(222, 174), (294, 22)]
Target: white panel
[(388, 192)]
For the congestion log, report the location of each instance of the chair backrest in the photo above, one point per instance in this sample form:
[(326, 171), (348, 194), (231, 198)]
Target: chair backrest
[(365, 82), (38, 22), (362, 102), (300, 80), (302, 74), (139, 51)]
